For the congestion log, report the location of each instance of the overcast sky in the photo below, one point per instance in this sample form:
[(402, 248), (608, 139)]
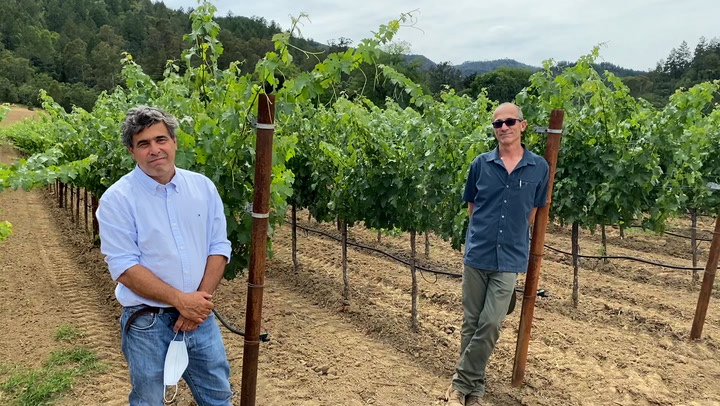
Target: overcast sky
[(637, 33)]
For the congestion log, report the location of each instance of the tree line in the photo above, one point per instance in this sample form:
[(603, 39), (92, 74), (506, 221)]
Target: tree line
[(72, 49), (683, 68)]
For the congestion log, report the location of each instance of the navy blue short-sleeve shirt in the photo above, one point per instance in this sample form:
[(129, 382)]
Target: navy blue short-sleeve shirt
[(497, 238)]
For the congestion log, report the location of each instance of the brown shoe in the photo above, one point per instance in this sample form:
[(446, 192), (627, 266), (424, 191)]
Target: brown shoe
[(473, 401), (456, 398)]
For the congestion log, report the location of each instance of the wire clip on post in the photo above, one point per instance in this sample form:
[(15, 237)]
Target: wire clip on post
[(253, 121), (545, 130), (249, 209)]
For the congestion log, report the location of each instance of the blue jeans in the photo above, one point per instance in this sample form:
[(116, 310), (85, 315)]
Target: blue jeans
[(145, 345)]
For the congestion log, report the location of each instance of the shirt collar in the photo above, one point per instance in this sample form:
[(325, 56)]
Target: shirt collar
[(151, 185), (527, 158)]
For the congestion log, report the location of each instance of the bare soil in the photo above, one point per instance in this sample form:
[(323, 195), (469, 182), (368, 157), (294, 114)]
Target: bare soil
[(18, 113), (626, 344)]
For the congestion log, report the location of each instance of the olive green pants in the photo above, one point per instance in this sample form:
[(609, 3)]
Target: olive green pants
[(485, 298)]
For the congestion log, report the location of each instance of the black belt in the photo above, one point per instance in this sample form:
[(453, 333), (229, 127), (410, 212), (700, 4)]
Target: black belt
[(148, 309)]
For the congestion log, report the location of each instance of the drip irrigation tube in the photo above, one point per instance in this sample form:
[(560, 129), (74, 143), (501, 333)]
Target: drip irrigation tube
[(455, 275), (627, 258), (682, 236), (452, 274), (264, 337)]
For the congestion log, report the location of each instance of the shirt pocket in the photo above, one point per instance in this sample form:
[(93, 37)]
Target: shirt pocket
[(525, 185), (524, 190)]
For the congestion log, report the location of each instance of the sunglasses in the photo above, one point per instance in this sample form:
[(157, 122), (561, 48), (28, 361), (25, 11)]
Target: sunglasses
[(508, 122)]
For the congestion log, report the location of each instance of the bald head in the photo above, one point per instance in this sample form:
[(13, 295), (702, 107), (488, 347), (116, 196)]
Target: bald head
[(504, 107)]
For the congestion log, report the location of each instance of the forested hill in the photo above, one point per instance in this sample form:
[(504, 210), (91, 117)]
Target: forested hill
[(469, 68), (683, 68), (73, 48)]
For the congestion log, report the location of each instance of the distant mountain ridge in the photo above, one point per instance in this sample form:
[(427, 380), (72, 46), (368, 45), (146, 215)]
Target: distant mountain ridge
[(479, 67), (425, 62), (468, 68)]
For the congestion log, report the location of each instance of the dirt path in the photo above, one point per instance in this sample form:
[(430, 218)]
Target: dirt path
[(626, 344), (50, 276)]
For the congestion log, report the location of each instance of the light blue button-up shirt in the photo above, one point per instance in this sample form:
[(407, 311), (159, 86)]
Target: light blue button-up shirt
[(169, 229)]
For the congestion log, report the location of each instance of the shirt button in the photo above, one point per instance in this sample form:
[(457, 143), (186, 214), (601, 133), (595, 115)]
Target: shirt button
[(501, 231), (502, 216), (182, 247), (498, 245), (507, 186), (504, 201), (174, 224)]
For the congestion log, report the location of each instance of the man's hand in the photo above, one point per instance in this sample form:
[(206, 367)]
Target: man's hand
[(184, 324), (195, 306)]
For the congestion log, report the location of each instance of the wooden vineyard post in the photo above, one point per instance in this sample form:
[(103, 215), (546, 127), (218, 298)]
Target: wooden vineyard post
[(258, 247), (536, 251), (707, 283)]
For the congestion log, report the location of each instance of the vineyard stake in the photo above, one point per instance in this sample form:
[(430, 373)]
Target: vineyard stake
[(536, 251), (707, 283), (427, 245), (60, 194), (694, 246), (95, 223), (85, 204), (72, 202), (413, 275), (346, 279), (77, 204), (294, 238), (258, 247), (575, 238)]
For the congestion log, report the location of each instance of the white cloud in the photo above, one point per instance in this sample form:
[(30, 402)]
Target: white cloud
[(637, 33)]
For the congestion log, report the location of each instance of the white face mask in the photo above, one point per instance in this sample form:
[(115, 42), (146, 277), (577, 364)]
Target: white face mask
[(176, 361)]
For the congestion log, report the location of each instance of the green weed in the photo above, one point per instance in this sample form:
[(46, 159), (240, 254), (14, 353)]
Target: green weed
[(68, 332), (43, 386)]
